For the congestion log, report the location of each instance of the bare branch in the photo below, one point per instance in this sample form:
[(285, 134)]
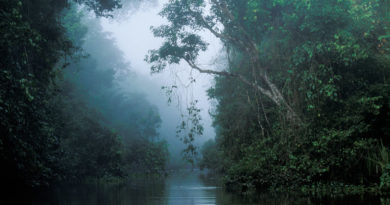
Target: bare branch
[(273, 93), (221, 73), (239, 76)]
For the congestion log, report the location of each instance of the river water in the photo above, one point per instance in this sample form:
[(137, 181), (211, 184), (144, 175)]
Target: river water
[(177, 189)]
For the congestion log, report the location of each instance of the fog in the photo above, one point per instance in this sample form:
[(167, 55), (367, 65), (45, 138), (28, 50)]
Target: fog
[(195, 101), (133, 36)]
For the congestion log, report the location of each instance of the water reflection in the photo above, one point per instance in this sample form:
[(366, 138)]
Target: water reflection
[(187, 188), (178, 189)]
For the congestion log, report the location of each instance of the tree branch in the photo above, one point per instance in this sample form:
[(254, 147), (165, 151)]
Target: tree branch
[(239, 76), (221, 73), (273, 93), (223, 7)]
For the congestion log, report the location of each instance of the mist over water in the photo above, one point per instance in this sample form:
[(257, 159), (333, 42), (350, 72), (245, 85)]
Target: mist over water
[(195, 102)]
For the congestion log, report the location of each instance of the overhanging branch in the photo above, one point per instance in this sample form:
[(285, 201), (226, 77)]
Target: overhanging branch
[(236, 75), (273, 92)]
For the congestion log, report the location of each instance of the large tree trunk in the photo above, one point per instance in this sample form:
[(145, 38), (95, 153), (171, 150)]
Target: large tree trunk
[(249, 47), (272, 92), (278, 98)]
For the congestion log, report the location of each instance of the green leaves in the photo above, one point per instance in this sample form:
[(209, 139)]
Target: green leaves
[(380, 38), (327, 58), (180, 44)]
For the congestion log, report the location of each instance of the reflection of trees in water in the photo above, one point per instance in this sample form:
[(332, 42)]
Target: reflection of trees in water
[(210, 179), (156, 191), (224, 197), (138, 191)]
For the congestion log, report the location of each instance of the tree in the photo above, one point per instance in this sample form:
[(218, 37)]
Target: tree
[(258, 30), (32, 44), (224, 22), (97, 110), (328, 60)]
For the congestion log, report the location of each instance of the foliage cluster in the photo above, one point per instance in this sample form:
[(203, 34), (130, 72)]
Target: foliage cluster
[(304, 98), (50, 129), (330, 60)]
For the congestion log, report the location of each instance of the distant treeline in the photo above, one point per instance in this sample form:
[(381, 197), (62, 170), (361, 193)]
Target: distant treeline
[(62, 116)]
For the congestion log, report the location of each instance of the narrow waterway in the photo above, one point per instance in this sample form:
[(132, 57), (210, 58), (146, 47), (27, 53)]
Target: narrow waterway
[(184, 188)]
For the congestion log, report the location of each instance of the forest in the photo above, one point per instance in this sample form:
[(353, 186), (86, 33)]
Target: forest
[(301, 95), (303, 99), (63, 119)]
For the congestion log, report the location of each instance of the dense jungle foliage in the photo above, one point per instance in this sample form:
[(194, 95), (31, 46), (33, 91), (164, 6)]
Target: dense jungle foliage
[(61, 118), (302, 96), (303, 100)]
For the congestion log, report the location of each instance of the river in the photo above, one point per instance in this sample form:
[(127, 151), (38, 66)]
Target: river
[(177, 189)]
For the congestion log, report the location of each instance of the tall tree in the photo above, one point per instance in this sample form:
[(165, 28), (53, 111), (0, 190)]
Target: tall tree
[(320, 64), (257, 30)]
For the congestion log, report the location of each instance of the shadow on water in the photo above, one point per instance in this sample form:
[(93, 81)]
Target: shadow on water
[(180, 188)]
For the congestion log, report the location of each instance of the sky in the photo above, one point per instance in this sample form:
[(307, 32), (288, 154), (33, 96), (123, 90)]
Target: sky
[(134, 37)]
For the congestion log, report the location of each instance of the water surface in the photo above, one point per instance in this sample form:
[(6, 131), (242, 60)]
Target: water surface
[(179, 189)]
